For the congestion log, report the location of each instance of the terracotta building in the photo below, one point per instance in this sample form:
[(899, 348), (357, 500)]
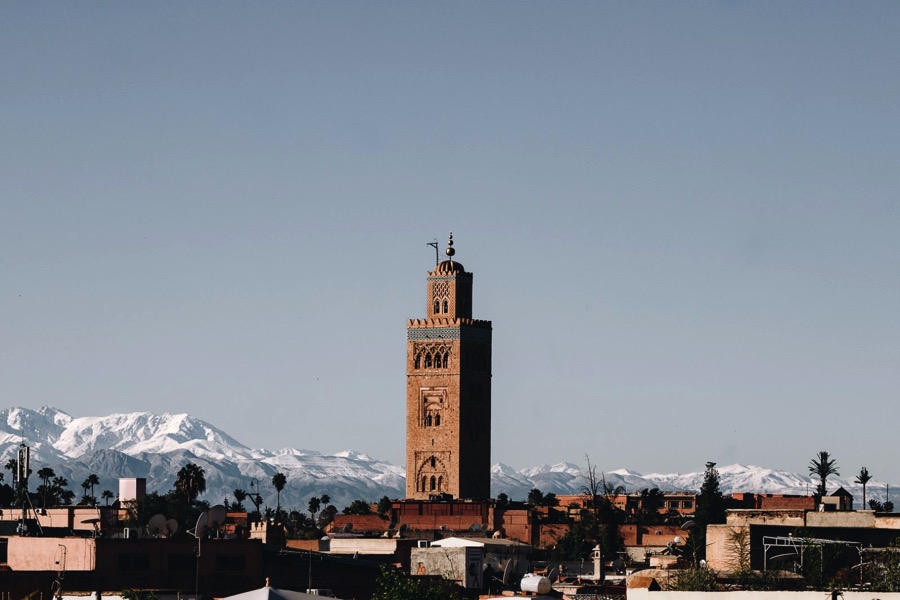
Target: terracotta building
[(448, 391)]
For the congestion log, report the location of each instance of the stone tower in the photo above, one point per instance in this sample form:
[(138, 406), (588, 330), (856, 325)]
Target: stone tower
[(448, 391)]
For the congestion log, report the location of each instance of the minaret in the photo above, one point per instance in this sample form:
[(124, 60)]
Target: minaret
[(448, 391)]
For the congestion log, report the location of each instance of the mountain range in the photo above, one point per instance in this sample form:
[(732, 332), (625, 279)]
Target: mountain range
[(143, 444)]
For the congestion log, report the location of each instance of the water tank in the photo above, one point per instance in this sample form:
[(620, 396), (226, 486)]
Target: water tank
[(534, 583)]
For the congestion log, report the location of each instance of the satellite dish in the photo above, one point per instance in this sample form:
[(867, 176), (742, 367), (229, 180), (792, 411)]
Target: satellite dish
[(216, 517), (553, 574), (347, 528), (475, 527), (202, 526), (171, 528), (156, 525), (687, 525), (403, 528)]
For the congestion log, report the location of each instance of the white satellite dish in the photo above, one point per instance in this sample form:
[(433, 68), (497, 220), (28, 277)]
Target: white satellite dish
[(202, 527), (171, 528), (156, 525), (216, 517), (687, 525)]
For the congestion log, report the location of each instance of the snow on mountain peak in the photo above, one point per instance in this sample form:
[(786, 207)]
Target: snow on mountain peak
[(155, 446)]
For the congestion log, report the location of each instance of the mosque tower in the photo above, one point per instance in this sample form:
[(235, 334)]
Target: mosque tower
[(448, 391)]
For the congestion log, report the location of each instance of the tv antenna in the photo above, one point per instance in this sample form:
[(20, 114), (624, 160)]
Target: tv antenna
[(437, 251)]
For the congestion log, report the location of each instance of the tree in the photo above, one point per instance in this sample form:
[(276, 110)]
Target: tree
[(358, 507), (884, 570), (279, 480), (46, 474), (326, 499), (107, 495), (130, 594), (535, 497), (710, 511), (394, 585), (384, 505), (239, 497), (651, 501), (314, 505), (85, 485), (93, 480), (59, 491), (190, 482), (502, 499), (862, 479), (822, 466), (878, 506)]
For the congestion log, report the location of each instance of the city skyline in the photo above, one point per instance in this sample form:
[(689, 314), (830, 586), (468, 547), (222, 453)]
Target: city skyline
[(681, 221)]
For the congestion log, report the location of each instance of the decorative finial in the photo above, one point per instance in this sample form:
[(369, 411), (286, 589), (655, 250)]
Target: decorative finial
[(450, 251)]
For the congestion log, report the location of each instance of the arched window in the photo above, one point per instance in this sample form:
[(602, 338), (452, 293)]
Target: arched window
[(427, 360), (440, 483), (423, 484), (427, 420), (437, 305), (433, 462), (446, 359), (446, 307), (437, 420), (418, 362), (433, 483)]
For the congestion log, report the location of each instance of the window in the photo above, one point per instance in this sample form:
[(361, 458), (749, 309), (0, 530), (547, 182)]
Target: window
[(422, 489), (437, 419), (688, 504), (428, 361), (433, 465), (433, 483), (437, 305), (418, 362), (446, 307), (440, 483)]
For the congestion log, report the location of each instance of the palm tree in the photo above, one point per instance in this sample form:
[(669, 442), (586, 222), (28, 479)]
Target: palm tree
[(190, 481), (862, 479), (822, 466), (314, 505), (107, 495), (93, 480), (12, 465), (279, 480), (326, 499), (46, 474), (85, 485), (239, 497)]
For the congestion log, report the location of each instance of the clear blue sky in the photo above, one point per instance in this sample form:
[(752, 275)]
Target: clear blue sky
[(682, 219)]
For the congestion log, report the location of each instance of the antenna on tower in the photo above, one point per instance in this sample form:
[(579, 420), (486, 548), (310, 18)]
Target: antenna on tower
[(437, 251)]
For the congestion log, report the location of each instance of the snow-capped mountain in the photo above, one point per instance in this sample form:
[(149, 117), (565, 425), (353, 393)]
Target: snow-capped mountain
[(155, 446)]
